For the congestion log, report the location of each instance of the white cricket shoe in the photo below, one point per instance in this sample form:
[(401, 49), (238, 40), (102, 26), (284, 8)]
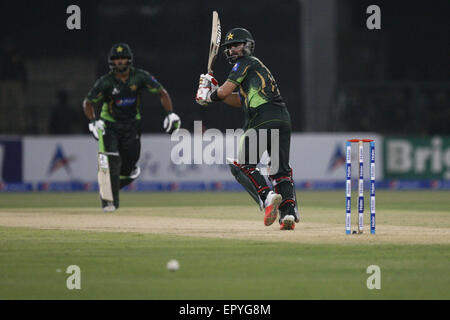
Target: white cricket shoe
[(271, 204), (109, 207)]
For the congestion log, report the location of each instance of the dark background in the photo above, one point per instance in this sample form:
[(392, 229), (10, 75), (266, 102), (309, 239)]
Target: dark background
[(393, 80)]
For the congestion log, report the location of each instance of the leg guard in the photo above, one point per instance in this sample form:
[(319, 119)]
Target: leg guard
[(114, 170), (284, 185), (252, 181)]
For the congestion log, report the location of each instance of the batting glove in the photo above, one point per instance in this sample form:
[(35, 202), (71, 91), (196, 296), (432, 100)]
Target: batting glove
[(203, 96), (207, 85), (172, 122), (209, 81), (96, 125)]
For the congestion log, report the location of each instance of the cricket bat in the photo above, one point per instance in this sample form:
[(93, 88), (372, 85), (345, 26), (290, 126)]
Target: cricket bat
[(216, 34), (104, 178)]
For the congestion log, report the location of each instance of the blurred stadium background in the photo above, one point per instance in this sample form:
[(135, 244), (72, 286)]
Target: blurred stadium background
[(339, 79)]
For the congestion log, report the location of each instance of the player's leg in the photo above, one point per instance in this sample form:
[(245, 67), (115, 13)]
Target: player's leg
[(130, 151), (249, 176), (243, 175), (283, 182), (111, 142)]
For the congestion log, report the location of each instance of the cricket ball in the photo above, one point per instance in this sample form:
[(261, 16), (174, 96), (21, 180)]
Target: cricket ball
[(173, 265)]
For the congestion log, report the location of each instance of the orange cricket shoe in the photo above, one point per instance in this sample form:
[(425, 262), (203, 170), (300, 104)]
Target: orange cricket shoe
[(287, 223)]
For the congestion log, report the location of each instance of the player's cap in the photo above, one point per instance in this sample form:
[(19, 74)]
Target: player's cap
[(120, 50), (238, 35)]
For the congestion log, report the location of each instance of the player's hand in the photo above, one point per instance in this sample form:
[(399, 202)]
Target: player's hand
[(207, 85), (209, 81), (96, 125), (171, 122), (203, 96)]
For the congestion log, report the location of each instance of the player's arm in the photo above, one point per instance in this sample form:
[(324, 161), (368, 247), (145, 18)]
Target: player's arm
[(226, 94), (153, 86), (172, 121), (209, 90), (94, 97), (89, 109), (165, 99)]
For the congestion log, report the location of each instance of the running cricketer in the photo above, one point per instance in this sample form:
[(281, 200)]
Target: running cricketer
[(264, 108), (118, 93)]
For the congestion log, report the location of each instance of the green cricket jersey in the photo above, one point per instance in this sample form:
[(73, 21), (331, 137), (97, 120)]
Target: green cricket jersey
[(256, 84), (121, 100), (258, 91)]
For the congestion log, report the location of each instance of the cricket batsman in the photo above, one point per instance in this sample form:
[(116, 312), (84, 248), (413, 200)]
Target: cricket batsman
[(119, 95), (264, 108)]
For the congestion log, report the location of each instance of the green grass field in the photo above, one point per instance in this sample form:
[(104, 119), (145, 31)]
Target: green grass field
[(224, 250)]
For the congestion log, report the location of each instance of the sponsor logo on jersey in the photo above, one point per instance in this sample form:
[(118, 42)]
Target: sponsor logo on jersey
[(115, 91), (235, 66), (126, 102)]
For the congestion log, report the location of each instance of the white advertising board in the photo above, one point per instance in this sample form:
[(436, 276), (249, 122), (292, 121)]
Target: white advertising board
[(73, 158)]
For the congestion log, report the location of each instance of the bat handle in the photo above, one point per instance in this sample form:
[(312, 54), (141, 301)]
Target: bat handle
[(101, 146)]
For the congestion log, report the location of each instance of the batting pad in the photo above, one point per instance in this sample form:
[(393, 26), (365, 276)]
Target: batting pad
[(246, 183)]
